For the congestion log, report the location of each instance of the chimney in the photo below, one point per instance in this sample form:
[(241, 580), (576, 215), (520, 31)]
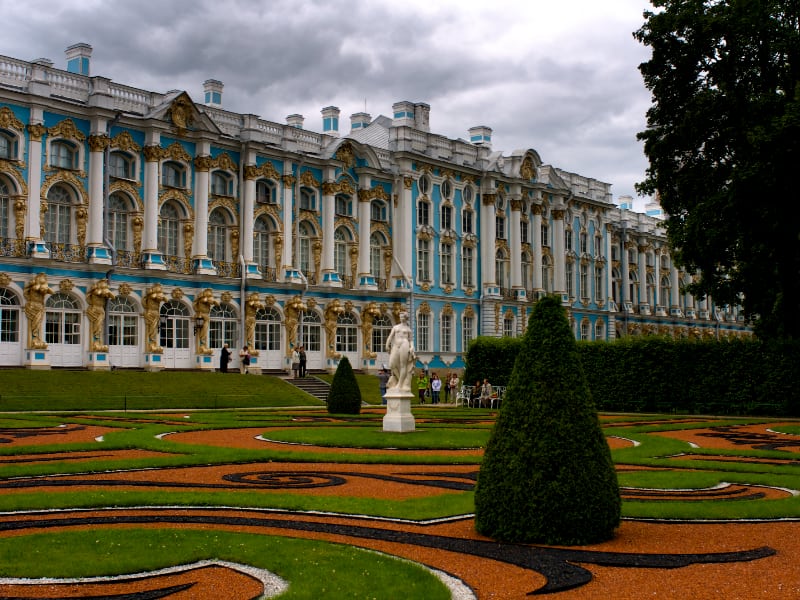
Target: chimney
[(359, 121), (213, 92), (330, 120), (403, 114), (481, 136), (295, 121), (79, 58), (422, 116)]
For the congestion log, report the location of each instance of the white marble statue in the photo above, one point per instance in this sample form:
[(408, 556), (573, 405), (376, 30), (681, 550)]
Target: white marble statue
[(401, 355)]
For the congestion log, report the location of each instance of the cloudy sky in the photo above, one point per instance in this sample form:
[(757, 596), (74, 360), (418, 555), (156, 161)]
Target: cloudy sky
[(559, 77)]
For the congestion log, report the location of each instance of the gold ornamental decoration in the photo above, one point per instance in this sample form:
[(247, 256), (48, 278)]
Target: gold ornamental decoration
[(180, 113), (67, 129), (96, 298), (124, 141)]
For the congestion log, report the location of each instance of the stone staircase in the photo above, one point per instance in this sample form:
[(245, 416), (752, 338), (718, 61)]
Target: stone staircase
[(312, 385)]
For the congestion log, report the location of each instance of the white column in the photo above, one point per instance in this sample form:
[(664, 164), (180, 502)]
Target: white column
[(487, 246), (365, 279), (152, 258), (202, 165), (674, 291), (288, 270), (98, 141), (247, 215), (403, 236), (33, 225), (559, 255), (538, 286), (642, 273), (329, 275), (609, 265), (516, 250), (659, 301)]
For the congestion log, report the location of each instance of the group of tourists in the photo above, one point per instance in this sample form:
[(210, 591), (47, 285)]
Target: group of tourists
[(436, 388), (225, 356)]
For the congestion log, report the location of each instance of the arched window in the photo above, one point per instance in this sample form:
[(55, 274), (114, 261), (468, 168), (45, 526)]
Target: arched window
[(633, 287), (306, 234), (5, 209), (268, 329), (651, 289), (175, 327), (221, 184), (62, 320), (664, 291), (123, 322), (9, 316), (219, 232), (173, 174), (118, 224), (262, 242), (341, 238), (121, 165), (346, 333), (222, 327), (63, 155), (60, 214), (266, 192), (381, 328), (311, 331), (169, 228)]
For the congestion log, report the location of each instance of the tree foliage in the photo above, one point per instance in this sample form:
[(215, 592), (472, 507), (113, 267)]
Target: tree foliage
[(344, 397), (723, 141), (547, 474)]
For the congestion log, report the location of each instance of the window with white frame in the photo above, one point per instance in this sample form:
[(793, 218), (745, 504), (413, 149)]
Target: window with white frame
[(446, 189), (311, 332), (423, 213), (446, 333), (467, 331), (424, 184), (446, 263), (376, 244), (268, 330), (584, 282), (221, 184), (378, 211), (262, 241), (501, 268), (616, 285), (599, 330), (545, 235), (467, 266), (381, 328), (423, 337), (306, 234), (598, 246), (570, 276), (500, 226), (584, 242), (568, 240), (60, 215), (633, 287), (9, 146), (468, 195), (526, 267), (219, 232), (547, 274), (121, 165), (467, 218), (308, 199), (423, 259), (9, 316), (169, 228), (64, 154), (651, 289), (266, 192), (344, 205), (598, 283), (118, 224), (663, 293), (123, 322), (341, 239), (446, 217), (173, 174), (223, 326), (508, 326), (5, 208), (63, 318), (346, 333), (585, 329), (523, 231)]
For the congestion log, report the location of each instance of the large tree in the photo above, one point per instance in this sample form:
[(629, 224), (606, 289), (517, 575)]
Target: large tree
[(723, 141)]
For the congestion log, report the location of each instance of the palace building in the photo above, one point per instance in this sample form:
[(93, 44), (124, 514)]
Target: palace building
[(144, 230)]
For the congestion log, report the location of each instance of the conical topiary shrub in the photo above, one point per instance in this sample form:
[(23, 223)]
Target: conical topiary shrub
[(547, 474), (344, 397)]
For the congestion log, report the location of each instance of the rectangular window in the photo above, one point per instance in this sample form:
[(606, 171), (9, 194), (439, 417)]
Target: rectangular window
[(523, 230), (500, 228), (423, 332), (466, 221), (447, 332), (9, 325), (312, 337), (447, 263), (545, 235), (467, 332), (423, 213), (423, 260), (598, 246), (598, 284), (4, 212), (508, 327), (467, 261), (447, 217), (570, 283), (568, 240), (585, 281)]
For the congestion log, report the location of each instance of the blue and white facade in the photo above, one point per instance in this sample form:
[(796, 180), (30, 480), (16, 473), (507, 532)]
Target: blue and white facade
[(158, 228)]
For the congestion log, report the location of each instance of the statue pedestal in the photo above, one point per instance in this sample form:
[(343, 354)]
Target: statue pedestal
[(398, 415), (204, 362), (153, 361), (37, 359), (99, 361)]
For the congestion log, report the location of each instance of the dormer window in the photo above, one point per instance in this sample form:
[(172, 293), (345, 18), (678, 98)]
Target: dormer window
[(221, 184), (120, 165), (64, 155), (173, 175)]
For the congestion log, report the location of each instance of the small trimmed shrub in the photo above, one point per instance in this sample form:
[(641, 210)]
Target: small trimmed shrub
[(344, 396), (547, 474)]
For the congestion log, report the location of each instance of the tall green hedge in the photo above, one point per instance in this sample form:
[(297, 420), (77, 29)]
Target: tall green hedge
[(547, 474), (344, 397), (656, 374)]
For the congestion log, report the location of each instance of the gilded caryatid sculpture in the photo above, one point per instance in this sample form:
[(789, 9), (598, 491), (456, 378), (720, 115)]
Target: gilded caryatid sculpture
[(333, 309), (292, 312), (97, 297), (251, 307), (34, 293), (368, 314), (202, 309), (151, 302)]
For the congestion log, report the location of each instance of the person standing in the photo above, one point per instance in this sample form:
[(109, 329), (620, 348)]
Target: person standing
[(244, 360), (422, 386), (224, 358), (383, 382), (486, 394), (302, 352), (436, 388), (296, 362)]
